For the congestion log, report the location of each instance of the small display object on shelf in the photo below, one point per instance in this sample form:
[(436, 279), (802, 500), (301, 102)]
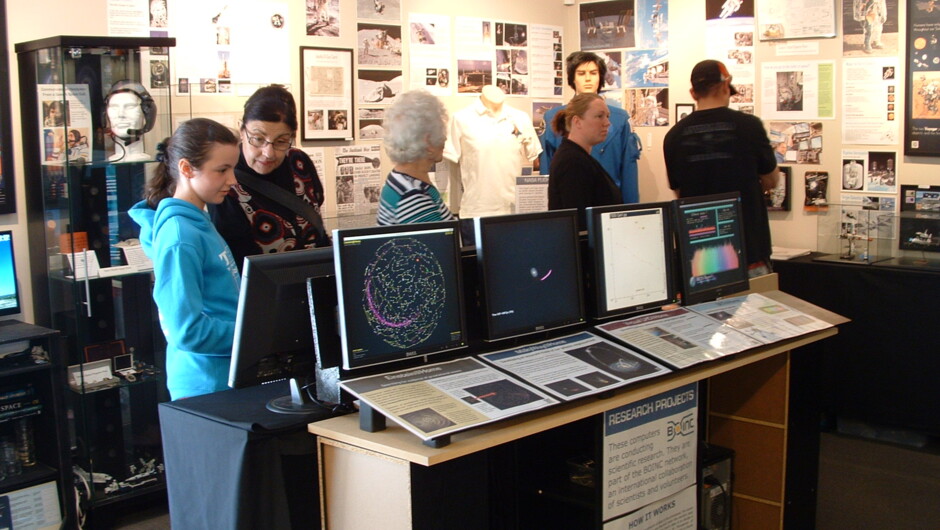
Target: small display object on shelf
[(131, 112), (849, 233), (918, 228)]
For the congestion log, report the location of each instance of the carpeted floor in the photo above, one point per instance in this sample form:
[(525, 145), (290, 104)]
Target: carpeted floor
[(869, 484)]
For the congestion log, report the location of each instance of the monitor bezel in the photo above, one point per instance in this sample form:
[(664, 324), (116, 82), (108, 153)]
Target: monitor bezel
[(740, 281), (596, 254), (17, 308), (257, 325), (490, 334), (340, 236)]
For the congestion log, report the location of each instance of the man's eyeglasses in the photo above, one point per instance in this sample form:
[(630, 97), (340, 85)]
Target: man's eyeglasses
[(282, 144)]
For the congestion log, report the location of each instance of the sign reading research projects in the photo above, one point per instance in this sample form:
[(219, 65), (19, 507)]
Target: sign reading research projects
[(649, 451)]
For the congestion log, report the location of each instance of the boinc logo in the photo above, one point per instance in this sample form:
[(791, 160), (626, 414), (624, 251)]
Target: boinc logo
[(683, 427)]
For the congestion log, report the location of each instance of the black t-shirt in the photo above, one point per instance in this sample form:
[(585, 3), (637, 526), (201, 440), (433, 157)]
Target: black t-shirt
[(722, 150), (577, 180)]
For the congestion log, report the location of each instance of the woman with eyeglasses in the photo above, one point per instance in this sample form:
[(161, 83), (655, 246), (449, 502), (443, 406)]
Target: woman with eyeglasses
[(250, 219)]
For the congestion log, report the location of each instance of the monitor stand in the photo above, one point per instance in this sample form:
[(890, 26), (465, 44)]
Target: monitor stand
[(298, 402)]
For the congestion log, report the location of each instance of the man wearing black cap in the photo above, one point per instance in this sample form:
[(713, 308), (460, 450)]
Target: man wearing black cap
[(619, 152), (718, 150)]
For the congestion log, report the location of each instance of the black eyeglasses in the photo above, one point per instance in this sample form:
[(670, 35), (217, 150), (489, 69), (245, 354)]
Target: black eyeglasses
[(282, 144)]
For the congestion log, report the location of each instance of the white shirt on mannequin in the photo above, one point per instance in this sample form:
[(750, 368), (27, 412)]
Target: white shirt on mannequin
[(491, 142)]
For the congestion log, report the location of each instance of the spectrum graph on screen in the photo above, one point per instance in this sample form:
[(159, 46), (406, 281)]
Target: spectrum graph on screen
[(711, 246)]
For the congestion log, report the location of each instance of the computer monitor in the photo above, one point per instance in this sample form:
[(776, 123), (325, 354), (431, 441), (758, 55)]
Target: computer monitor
[(9, 292), (710, 241), (631, 256), (529, 273), (400, 292), (273, 330)]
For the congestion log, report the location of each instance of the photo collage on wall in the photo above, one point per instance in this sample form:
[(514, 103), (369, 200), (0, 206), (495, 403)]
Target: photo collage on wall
[(631, 37)]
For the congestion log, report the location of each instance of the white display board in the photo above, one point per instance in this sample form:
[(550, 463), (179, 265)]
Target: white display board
[(649, 450)]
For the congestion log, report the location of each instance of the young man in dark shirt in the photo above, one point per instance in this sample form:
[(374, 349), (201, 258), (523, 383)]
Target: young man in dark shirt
[(718, 150)]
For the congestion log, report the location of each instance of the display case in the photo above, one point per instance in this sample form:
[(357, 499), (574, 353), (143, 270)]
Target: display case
[(93, 110), (32, 418), (854, 234)]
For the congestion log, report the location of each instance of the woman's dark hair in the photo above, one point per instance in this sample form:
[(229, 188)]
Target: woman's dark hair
[(272, 103), (192, 140), (576, 59), (578, 106)]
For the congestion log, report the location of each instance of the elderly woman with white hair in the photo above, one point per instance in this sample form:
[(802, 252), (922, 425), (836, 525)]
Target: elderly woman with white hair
[(415, 131)]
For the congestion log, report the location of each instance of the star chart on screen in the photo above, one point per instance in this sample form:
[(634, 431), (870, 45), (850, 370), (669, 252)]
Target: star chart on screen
[(403, 294)]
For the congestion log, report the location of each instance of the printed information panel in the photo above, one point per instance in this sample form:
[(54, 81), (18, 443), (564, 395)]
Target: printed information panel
[(674, 513), (649, 450)]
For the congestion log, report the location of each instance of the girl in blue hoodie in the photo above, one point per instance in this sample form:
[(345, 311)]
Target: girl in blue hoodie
[(196, 279)]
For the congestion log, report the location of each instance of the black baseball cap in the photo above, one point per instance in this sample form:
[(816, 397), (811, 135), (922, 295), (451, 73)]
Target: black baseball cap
[(709, 73)]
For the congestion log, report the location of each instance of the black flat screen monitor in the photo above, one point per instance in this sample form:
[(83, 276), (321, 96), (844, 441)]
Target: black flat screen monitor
[(273, 330), (9, 293), (710, 240), (529, 272), (632, 257), (400, 292)]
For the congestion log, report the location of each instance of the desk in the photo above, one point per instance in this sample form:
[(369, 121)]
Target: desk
[(388, 479), (882, 368), (231, 463)]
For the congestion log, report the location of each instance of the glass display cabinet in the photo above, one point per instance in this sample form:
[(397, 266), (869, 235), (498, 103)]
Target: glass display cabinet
[(849, 233), (93, 110)]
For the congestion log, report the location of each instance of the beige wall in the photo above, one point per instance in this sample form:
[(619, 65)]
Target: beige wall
[(34, 19)]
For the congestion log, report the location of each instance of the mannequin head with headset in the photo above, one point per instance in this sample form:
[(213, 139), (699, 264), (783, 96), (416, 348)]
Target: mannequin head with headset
[(130, 112)]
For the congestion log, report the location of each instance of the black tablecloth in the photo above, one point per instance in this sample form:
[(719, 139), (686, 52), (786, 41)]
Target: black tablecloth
[(882, 367), (231, 463)]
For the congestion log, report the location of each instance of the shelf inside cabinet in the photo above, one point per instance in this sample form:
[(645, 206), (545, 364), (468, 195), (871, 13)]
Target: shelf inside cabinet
[(34, 474)]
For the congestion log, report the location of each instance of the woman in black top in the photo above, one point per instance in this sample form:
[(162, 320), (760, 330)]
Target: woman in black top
[(250, 221), (577, 180)]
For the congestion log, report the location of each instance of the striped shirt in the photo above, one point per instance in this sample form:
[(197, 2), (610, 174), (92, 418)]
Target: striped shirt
[(406, 199)]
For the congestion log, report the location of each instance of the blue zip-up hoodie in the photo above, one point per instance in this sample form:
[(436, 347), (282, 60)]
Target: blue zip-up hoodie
[(196, 291)]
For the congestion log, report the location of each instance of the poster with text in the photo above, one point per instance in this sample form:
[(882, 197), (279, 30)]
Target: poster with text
[(922, 101), (795, 19), (869, 93), (797, 90), (650, 449), (358, 179)]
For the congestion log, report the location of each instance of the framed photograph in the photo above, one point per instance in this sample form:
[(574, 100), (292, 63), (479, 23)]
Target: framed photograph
[(922, 99), (778, 198), (326, 85), (683, 110)]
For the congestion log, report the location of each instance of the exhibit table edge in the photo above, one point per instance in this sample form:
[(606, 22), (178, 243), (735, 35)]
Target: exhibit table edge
[(395, 441)]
